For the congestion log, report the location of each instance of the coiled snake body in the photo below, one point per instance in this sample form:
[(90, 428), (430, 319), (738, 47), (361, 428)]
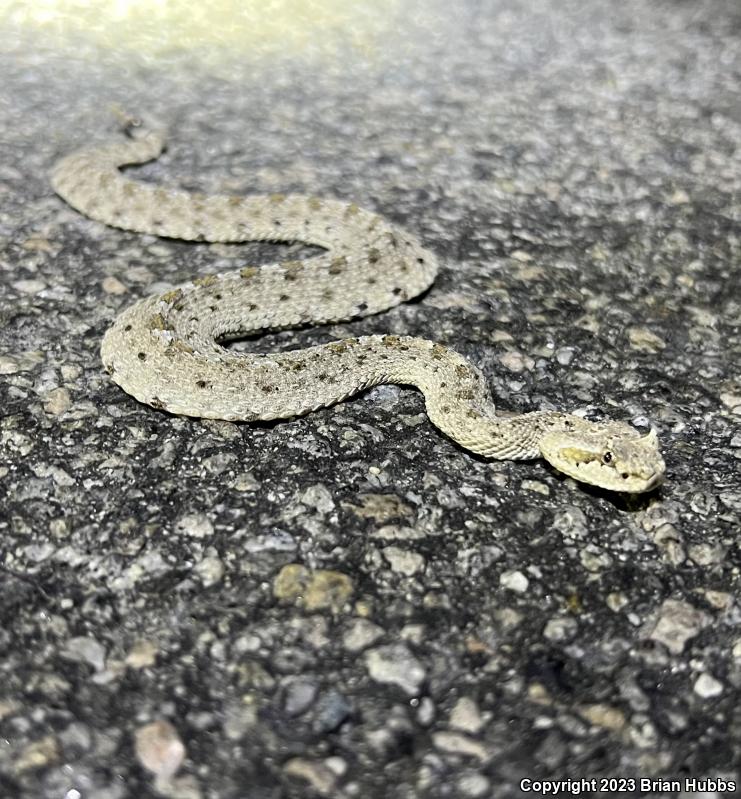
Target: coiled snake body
[(165, 350)]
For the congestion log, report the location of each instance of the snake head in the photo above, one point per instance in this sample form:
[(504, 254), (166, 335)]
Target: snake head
[(610, 455)]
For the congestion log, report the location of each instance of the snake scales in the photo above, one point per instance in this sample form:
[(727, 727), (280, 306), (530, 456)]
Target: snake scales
[(165, 350)]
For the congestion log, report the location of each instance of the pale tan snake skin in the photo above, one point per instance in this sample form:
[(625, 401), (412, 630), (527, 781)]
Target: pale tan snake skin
[(165, 350)]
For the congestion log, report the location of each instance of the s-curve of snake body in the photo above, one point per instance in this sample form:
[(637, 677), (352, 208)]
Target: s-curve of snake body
[(166, 350)]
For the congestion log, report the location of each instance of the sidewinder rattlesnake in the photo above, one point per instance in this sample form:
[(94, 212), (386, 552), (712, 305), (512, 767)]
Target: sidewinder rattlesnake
[(165, 350)]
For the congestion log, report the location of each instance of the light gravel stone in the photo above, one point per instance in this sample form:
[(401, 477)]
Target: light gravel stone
[(707, 686), (360, 634), (706, 554), (466, 716), (475, 786), (245, 482), (112, 285), (514, 581), (318, 590), (670, 541), (403, 561), (565, 355), (677, 623), (29, 286), (517, 361), (641, 338), (571, 522), (426, 711), (37, 755), (142, 655), (195, 525), (560, 628), (57, 401), (610, 718), (299, 696), (458, 744), (321, 777), (395, 665), (318, 497), (535, 485), (159, 749), (210, 569), (593, 560), (380, 507)]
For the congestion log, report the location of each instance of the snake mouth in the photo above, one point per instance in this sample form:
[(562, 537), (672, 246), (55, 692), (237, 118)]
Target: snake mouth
[(656, 479)]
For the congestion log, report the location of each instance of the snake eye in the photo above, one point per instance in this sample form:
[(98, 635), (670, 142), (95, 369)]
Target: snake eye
[(607, 457)]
